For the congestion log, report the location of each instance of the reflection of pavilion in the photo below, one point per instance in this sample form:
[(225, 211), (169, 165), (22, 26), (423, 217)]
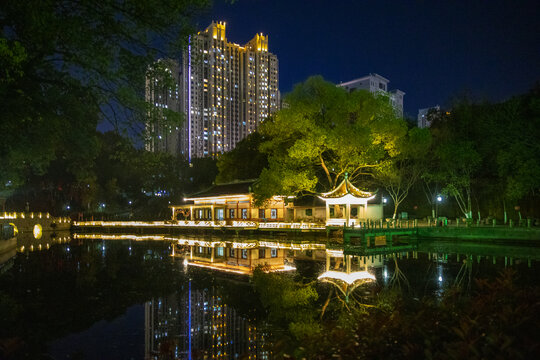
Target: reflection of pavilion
[(197, 324), (347, 272)]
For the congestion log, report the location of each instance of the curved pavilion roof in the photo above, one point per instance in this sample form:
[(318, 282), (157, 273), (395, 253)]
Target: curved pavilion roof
[(346, 188)]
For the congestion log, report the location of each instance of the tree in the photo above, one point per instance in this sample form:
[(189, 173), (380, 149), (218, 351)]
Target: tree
[(399, 175), (67, 64), (455, 154), (244, 162), (324, 132)]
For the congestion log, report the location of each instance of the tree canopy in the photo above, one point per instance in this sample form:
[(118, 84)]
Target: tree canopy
[(65, 65), (323, 132)]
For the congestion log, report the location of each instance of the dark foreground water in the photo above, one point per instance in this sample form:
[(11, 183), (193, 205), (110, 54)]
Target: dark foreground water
[(128, 297)]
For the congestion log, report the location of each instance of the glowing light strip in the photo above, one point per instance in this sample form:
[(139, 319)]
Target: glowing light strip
[(244, 271), (201, 223), (334, 253), (348, 278), (216, 198), (119, 237), (292, 246), (348, 199)]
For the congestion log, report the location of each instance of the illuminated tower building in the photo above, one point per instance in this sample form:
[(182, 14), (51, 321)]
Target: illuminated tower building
[(227, 90), (162, 136)]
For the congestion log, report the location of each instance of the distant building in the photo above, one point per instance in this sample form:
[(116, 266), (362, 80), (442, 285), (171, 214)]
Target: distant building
[(423, 120), (228, 90), (161, 136), (375, 83)]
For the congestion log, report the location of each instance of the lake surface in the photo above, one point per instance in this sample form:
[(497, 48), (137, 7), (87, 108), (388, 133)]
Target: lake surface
[(164, 297)]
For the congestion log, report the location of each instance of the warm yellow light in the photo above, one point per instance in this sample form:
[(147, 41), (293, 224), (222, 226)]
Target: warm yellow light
[(38, 231), (348, 278)]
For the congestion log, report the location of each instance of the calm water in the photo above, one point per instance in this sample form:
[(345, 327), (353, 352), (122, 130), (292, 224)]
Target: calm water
[(128, 297)]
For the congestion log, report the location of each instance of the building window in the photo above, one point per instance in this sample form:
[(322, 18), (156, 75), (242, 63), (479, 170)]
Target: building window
[(261, 213), (244, 253), (244, 213), (220, 251), (309, 212), (231, 252), (231, 213), (273, 252), (273, 213), (331, 212), (219, 214), (262, 253), (354, 211)]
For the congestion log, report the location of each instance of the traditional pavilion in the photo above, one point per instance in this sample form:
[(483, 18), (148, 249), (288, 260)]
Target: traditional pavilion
[(347, 204), (228, 202)]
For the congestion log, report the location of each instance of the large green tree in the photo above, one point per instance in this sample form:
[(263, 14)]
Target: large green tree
[(402, 173), (323, 132), (245, 161), (65, 65)]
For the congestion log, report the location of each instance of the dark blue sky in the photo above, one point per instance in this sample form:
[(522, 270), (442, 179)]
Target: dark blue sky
[(430, 49)]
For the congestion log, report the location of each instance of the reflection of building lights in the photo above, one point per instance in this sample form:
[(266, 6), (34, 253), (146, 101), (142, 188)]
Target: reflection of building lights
[(38, 231), (348, 278), (385, 274)]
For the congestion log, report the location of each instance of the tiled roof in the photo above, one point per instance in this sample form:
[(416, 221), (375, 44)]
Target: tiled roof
[(235, 188)]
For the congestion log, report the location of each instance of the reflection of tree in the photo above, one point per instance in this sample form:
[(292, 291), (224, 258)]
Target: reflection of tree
[(465, 273), (347, 289), (399, 277)]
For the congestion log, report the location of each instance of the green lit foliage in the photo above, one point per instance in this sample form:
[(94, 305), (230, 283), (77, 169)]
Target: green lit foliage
[(289, 305), (324, 132), (518, 156), (401, 174), (455, 155)]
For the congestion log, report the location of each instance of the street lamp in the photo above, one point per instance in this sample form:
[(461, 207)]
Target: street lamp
[(439, 200)]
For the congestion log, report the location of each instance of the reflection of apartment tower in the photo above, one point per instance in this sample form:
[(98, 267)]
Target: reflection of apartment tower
[(227, 90), (423, 118), (375, 84), (162, 96), (199, 325)]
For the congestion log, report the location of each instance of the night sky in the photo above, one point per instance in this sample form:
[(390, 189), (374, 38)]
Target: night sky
[(433, 50)]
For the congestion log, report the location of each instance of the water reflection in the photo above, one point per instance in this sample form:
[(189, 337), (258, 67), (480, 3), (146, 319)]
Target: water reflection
[(196, 291), (197, 324)]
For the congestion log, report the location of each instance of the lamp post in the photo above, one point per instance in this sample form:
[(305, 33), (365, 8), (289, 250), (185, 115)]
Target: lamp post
[(438, 200)]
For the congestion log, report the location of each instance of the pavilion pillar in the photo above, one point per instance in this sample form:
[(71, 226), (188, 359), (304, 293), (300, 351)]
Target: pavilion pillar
[(327, 261), (347, 214), (191, 213), (365, 211), (212, 255), (173, 217), (211, 214), (327, 212)]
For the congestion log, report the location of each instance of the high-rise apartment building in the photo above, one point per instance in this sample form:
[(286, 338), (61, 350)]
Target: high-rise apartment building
[(375, 83), (227, 90), (163, 96)]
